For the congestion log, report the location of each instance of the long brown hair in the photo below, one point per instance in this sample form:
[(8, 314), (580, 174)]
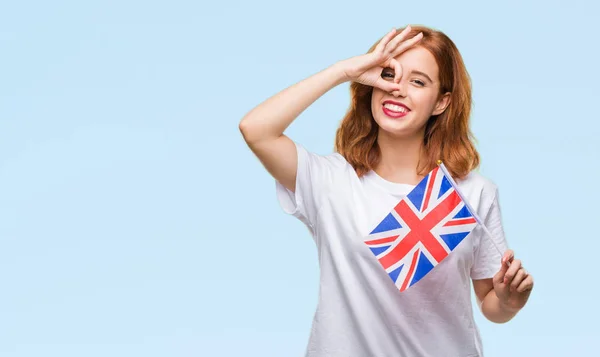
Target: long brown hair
[(447, 136)]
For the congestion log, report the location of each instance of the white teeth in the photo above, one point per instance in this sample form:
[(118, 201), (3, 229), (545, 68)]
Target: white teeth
[(395, 108)]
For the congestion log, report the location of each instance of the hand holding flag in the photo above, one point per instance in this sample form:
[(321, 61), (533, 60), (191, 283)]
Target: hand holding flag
[(512, 284), (426, 226)]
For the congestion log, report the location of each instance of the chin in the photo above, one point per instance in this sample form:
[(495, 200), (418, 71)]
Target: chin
[(397, 127)]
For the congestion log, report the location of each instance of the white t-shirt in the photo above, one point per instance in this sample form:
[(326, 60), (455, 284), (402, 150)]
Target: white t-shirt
[(360, 310)]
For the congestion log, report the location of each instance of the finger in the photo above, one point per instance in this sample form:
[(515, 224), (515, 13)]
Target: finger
[(407, 44), (515, 265), (397, 70), (519, 277), (397, 39), (499, 277), (385, 40), (526, 284), (508, 256), (386, 85)]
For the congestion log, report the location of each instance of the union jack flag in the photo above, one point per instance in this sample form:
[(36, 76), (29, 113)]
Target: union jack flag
[(421, 230)]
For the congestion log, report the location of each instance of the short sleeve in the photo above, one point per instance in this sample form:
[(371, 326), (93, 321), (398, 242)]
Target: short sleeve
[(489, 250), (314, 177)]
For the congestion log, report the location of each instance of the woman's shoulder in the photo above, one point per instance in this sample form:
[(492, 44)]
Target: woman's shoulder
[(477, 178), (333, 160), (477, 183)]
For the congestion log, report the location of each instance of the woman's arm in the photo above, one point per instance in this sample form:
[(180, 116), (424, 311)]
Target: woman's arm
[(489, 304), (263, 127), (503, 296)]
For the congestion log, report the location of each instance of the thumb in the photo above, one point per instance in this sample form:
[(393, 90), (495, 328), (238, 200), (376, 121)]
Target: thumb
[(499, 277), (386, 85)]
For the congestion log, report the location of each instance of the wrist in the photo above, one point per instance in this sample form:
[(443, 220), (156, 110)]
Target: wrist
[(338, 73), (507, 308)]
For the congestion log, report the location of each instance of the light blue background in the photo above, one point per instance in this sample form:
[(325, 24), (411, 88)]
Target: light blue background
[(135, 222)]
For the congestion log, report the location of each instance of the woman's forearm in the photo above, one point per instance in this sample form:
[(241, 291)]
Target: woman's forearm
[(270, 118), (495, 311)]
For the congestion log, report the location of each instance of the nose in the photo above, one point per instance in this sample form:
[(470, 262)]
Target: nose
[(401, 92)]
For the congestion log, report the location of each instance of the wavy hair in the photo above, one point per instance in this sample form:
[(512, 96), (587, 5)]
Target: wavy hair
[(447, 136)]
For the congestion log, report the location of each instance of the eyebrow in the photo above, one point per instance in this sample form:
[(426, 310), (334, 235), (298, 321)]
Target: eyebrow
[(421, 74)]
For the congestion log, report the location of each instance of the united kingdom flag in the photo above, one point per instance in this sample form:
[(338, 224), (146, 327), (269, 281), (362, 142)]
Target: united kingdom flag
[(421, 230)]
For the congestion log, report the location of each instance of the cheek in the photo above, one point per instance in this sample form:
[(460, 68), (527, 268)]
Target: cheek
[(376, 95), (424, 100), (376, 98)]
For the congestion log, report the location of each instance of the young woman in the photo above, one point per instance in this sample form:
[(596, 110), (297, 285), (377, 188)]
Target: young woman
[(410, 106)]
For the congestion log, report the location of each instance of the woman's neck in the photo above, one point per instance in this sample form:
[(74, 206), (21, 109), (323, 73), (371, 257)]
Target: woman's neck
[(400, 158)]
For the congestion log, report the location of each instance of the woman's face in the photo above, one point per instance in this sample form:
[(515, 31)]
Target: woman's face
[(404, 113)]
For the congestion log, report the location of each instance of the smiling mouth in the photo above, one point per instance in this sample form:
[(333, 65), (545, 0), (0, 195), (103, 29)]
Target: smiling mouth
[(394, 111)]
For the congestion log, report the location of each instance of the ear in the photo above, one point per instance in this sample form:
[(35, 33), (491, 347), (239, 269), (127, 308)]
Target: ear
[(442, 104)]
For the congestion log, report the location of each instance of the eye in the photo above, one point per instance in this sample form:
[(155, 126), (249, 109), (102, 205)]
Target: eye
[(419, 82), (387, 74)]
